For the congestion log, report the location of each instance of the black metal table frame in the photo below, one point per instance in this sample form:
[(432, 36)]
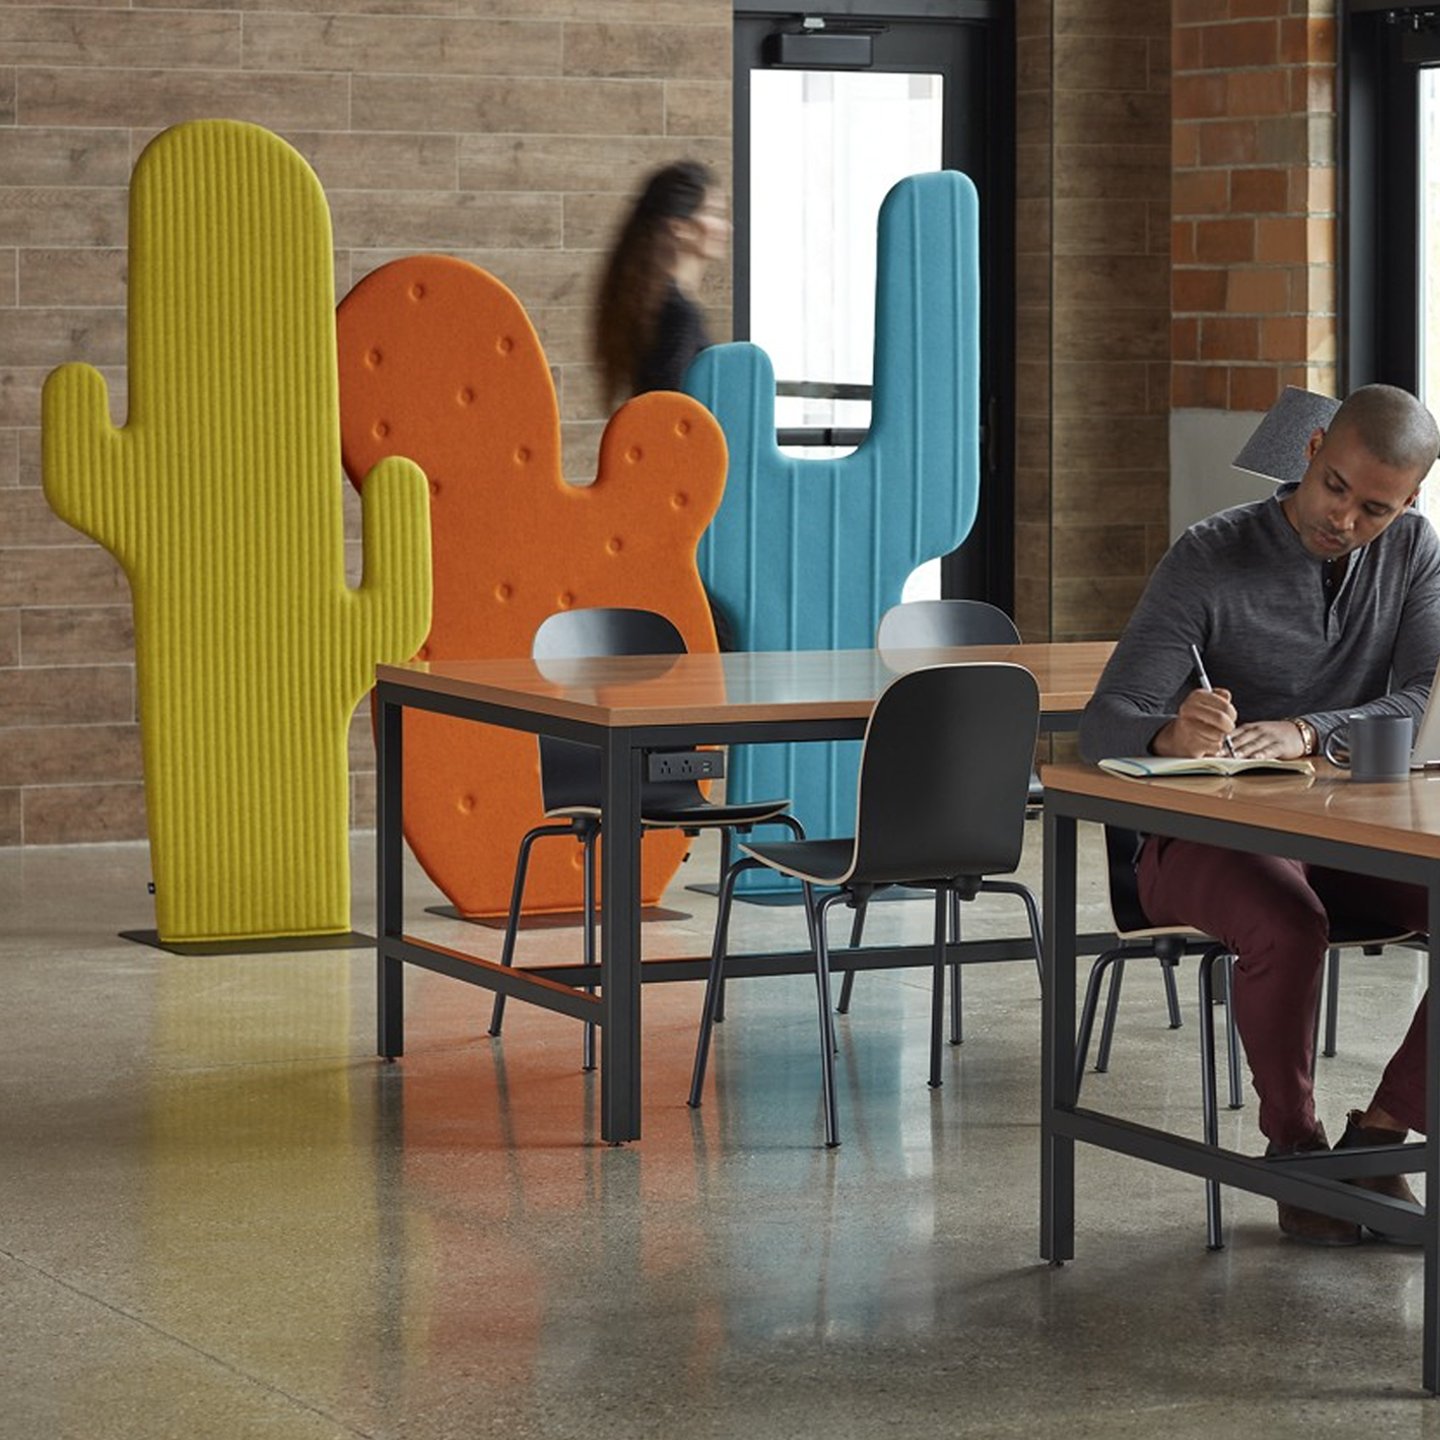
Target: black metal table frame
[(616, 1009), (1314, 1181)]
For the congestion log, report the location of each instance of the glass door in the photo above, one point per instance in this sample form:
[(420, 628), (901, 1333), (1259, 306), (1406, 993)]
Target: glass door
[(831, 109), (813, 201)]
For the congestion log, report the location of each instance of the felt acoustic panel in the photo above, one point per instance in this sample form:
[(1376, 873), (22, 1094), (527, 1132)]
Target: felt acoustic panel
[(1276, 450), (221, 499), (439, 362), (808, 554)]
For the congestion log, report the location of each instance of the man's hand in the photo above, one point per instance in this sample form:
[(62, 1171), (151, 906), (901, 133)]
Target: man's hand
[(1269, 740), (1205, 718)]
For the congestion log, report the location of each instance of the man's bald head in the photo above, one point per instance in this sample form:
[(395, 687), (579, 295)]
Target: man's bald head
[(1392, 425)]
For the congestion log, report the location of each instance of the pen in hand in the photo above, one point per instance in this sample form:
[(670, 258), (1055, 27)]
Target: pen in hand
[(1206, 685)]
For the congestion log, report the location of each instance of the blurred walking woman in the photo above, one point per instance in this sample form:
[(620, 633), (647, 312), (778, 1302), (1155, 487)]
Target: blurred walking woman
[(648, 324)]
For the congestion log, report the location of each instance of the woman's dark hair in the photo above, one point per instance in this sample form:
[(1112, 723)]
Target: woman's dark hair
[(639, 268)]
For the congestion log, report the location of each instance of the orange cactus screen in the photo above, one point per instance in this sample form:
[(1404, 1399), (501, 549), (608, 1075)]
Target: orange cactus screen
[(439, 363)]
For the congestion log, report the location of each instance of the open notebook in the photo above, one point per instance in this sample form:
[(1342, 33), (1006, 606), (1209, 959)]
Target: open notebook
[(1149, 766)]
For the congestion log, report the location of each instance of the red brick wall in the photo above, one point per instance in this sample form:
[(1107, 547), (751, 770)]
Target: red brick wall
[(1253, 281)]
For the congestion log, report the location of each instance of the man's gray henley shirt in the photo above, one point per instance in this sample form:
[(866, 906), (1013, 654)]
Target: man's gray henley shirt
[(1242, 587)]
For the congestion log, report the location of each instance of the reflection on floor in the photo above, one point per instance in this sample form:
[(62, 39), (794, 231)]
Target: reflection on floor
[(223, 1217)]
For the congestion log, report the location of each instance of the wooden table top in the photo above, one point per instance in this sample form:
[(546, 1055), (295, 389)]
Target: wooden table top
[(1400, 816), (760, 685)]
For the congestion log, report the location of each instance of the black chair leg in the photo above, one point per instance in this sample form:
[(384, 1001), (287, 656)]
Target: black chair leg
[(1032, 916), (827, 1018), (797, 832), (517, 894), (1172, 997), (815, 919), (726, 847), (1234, 1060), (715, 978), (1112, 1010), (587, 1047), (1088, 1009), (937, 984), (957, 1015), (857, 929), (1332, 999), (1214, 1240)]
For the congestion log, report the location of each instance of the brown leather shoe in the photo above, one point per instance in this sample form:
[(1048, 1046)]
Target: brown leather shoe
[(1310, 1227), (1395, 1186)]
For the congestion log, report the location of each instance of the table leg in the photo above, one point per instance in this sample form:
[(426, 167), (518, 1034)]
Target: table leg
[(390, 876), (1057, 1152), (620, 941), (1430, 1366)]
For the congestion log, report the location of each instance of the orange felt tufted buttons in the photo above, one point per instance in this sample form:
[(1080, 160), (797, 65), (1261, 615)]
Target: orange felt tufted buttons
[(513, 542)]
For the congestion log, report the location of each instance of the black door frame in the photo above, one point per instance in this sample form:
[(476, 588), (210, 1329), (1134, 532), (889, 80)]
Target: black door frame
[(983, 568), (1383, 49)]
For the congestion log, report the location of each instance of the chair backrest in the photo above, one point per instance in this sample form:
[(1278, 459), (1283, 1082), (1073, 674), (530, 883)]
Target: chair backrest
[(919, 624), (569, 773), (944, 774), (605, 630), (1122, 848)]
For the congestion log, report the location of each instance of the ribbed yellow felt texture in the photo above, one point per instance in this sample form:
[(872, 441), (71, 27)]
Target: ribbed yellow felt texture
[(221, 497)]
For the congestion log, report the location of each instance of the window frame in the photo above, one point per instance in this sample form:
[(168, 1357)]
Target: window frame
[(1381, 56)]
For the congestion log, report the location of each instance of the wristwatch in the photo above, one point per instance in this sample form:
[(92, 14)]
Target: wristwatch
[(1308, 738)]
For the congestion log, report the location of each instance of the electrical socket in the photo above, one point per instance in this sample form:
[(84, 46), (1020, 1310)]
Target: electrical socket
[(687, 765)]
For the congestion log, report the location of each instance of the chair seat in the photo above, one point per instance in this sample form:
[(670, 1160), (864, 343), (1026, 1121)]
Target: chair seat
[(821, 862), (1156, 932), (1360, 932), (687, 816), (1342, 932), (749, 813)]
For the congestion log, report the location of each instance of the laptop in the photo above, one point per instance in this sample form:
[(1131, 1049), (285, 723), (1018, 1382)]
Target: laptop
[(1426, 750)]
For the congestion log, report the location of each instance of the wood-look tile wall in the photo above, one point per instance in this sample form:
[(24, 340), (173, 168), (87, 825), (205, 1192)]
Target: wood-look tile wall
[(1034, 117), (1094, 305), (505, 131)]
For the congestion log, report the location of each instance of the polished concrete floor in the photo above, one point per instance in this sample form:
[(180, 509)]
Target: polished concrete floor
[(221, 1216)]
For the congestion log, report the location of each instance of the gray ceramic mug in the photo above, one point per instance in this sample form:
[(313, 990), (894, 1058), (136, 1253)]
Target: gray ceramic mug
[(1372, 747)]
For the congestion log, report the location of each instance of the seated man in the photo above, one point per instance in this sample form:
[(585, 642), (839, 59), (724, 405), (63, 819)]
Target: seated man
[(1307, 607)]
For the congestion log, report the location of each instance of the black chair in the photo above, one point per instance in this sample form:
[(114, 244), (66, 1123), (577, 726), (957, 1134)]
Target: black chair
[(944, 772), (1168, 944), (1140, 940), (1332, 995), (932, 624), (570, 775)]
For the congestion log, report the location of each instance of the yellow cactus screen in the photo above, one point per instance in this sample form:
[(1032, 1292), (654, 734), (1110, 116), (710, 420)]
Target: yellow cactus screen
[(221, 497)]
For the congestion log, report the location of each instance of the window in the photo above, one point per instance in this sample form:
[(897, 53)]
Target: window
[(1428, 236), (849, 136)]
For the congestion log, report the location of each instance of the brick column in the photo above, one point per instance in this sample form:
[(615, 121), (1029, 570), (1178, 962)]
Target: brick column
[(1254, 201)]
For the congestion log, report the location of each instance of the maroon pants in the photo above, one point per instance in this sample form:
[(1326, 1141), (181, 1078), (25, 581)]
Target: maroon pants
[(1274, 916)]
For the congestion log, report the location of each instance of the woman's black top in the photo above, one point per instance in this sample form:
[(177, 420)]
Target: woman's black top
[(680, 336)]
